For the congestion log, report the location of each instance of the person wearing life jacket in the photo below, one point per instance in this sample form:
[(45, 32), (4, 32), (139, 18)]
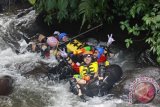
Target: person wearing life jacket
[(52, 49), (63, 37), (66, 56), (88, 70), (48, 46), (75, 58), (77, 54), (106, 46), (71, 45), (38, 38), (36, 42), (99, 54), (42, 38), (33, 47)]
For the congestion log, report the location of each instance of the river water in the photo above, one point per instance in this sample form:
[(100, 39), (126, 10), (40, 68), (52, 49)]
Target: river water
[(42, 92)]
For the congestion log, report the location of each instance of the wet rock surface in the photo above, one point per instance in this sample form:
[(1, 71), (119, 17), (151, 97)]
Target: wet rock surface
[(6, 85), (19, 27), (146, 58)]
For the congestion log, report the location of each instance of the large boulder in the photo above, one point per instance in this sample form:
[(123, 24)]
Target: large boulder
[(146, 58), (32, 68), (6, 85), (19, 27)]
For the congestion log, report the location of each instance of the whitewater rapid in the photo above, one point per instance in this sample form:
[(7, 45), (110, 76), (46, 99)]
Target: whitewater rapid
[(30, 92)]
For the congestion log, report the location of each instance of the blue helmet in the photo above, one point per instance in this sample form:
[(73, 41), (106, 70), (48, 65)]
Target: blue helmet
[(61, 36), (100, 50)]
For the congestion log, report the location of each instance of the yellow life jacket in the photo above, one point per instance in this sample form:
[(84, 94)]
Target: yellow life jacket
[(74, 45), (82, 50), (91, 69)]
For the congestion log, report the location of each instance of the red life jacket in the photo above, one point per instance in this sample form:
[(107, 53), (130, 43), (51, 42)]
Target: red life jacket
[(102, 59), (75, 67)]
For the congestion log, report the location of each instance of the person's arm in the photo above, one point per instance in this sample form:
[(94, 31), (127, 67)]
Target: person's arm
[(75, 66), (81, 81), (96, 74), (69, 60)]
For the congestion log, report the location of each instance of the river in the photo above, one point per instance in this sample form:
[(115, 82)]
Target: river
[(40, 91)]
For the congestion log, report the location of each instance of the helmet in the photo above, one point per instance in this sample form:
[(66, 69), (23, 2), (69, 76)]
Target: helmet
[(87, 48), (56, 33), (52, 41), (88, 53), (100, 51), (61, 35)]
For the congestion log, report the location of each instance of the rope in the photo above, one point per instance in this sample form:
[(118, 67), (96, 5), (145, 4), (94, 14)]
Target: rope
[(83, 33)]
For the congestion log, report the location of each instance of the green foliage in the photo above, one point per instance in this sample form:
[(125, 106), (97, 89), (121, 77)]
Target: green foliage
[(131, 30), (122, 7), (48, 19), (93, 11), (139, 7), (128, 42), (50, 5), (85, 9), (90, 11), (58, 9), (62, 9), (148, 14)]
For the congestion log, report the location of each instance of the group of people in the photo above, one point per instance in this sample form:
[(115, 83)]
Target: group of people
[(88, 62), (53, 45)]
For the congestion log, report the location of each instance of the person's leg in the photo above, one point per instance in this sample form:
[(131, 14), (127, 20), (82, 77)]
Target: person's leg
[(76, 89)]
